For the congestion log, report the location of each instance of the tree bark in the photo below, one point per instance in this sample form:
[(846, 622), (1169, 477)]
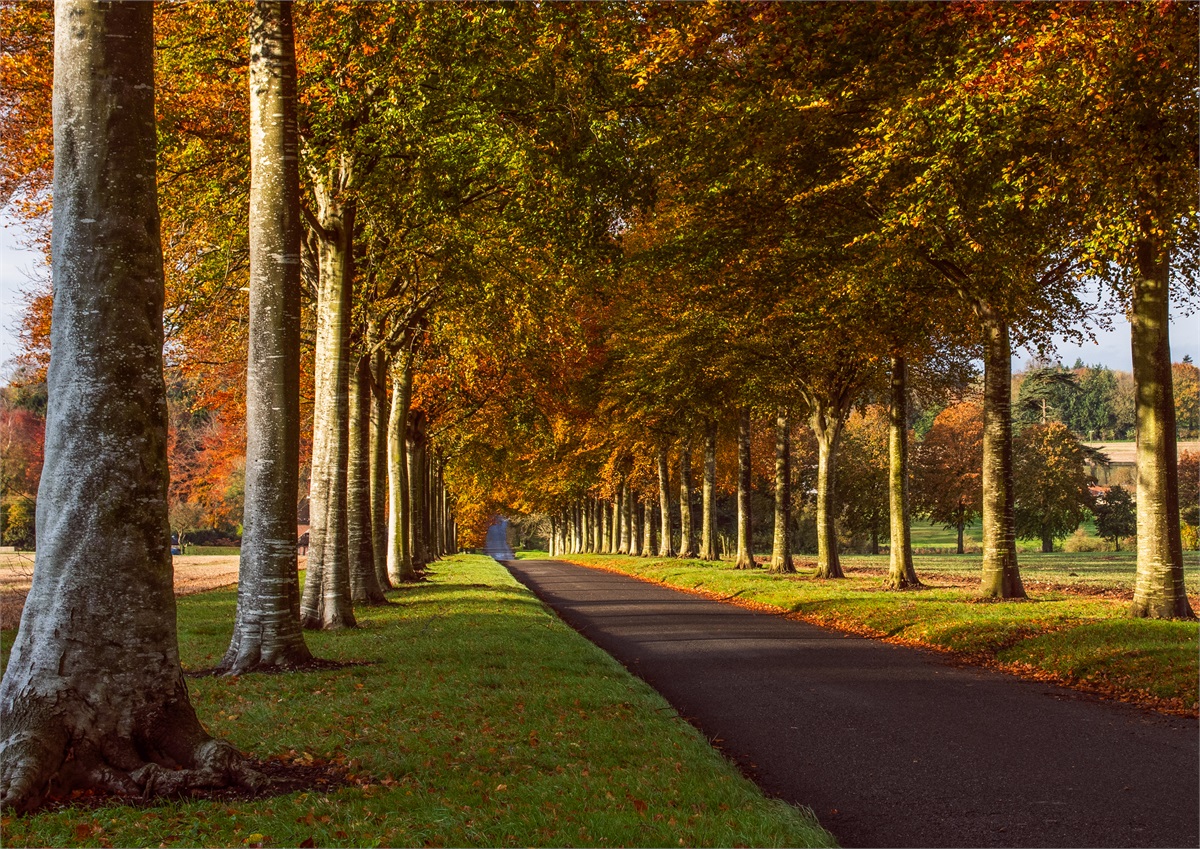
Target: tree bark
[(647, 528), (364, 585), (266, 630), (687, 538), (962, 525), (1001, 577), (379, 461), (620, 522), (827, 426), (1158, 591), (666, 546), (708, 530), (781, 550), (630, 537), (94, 673), (326, 601), (399, 551), (614, 525), (901, 573), (415, 438), (745, 537)]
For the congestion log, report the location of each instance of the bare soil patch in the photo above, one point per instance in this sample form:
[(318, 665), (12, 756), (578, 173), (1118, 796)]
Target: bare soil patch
[(193, 574)]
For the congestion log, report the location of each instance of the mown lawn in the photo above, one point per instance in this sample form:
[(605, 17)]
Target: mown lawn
[(482, 720), (1074, 627)]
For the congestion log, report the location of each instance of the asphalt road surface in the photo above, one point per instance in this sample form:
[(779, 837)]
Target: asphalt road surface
[(892, 746)]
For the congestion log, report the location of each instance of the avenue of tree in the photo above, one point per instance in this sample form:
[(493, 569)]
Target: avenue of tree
[(589, 262)]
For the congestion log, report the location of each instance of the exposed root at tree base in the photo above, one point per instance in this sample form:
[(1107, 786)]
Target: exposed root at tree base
[(315, 665), (282, 776)]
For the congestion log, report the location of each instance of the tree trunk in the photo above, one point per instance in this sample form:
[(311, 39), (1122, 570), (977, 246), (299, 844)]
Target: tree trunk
[(620, 523), (687, 538), (901, 573), (379, 462), (1047, 544), (630, 539), (415, 440), (665, 546), (708, 530), (364, 585), (1001, 577), (266, 630), (781, 550), (326, 601), (1158, 591), (962, 549), (745, 539), (94, 672), (614, 525), (425, 516), (647, 528), (399, 552), (828, 430)]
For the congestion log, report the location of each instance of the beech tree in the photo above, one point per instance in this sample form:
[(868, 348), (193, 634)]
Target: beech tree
[(266, 630), (93, 694)]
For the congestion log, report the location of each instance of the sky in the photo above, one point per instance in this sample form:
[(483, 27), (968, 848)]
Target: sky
[(18, 264)]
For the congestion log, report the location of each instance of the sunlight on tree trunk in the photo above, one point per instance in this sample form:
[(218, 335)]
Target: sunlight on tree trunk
[(666, 546), (1001, 578), (687, 538), (901, 573), (93, 695), (266, 631), (708, 520), (1158, 591), (781, 550), (828, 430), (745, 537)]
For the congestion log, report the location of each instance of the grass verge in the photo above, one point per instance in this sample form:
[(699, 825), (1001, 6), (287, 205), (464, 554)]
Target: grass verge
[(1073, 629), (482, 720)]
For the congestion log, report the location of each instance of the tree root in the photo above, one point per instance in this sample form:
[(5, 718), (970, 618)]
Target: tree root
[(26, 787)]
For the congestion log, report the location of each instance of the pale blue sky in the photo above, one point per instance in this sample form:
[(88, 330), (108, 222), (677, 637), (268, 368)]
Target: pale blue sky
[(19, 264)]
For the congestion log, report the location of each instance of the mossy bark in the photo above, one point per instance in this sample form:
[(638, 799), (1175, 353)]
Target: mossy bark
[(901, 573), (1001, 577), (1158, 591)]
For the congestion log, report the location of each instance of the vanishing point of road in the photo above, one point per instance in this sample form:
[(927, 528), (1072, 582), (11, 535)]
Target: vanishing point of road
[(892, 746)]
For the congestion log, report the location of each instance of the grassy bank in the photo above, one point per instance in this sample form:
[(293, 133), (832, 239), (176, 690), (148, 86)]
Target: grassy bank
[(1074, 627), (482, 720)]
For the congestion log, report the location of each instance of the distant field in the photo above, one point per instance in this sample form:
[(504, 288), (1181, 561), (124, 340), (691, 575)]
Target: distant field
[(212, 550), (1126, 452)]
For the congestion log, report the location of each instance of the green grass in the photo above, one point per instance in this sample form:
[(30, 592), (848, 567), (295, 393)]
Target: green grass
[(213, 550), (932, 538), (1074, 627), (482, 721)]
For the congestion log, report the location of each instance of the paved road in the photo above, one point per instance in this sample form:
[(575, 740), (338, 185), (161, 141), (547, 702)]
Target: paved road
[(892, 746)]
